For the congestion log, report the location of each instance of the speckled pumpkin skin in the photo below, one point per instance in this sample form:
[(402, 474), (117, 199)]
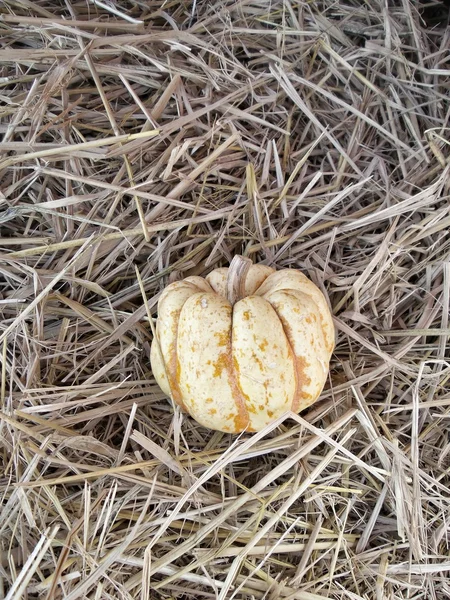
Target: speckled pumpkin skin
[(239, 368)]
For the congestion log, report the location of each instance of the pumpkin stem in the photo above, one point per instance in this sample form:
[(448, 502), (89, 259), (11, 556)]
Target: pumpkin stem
[(237, 274)]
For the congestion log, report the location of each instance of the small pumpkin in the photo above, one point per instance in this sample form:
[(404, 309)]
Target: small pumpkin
[(243, 345)]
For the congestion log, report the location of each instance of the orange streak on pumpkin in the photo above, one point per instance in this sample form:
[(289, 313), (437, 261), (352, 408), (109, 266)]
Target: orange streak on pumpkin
[(222, 338), (173, 375), (173, 367), (241, 421), (227, 364), (301, 399)]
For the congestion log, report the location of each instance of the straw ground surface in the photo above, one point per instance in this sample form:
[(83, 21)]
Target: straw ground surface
[(145, 141)]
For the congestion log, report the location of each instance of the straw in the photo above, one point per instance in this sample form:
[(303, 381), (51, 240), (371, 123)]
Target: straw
[(145, 142)]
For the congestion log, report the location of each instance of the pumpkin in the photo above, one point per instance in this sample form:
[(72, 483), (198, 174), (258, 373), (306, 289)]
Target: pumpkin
[(243, 345)]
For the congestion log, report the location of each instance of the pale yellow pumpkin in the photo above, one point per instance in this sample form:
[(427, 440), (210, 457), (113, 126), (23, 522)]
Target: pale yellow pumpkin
[(242, 346)]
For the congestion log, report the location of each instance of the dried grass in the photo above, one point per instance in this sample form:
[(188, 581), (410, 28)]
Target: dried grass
[(145, 141)]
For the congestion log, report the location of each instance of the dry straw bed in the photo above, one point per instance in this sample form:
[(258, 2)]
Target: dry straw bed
[(144, 141)]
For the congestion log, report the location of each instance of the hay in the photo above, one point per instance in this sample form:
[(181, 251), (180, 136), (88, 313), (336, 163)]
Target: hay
[(145, 141)]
